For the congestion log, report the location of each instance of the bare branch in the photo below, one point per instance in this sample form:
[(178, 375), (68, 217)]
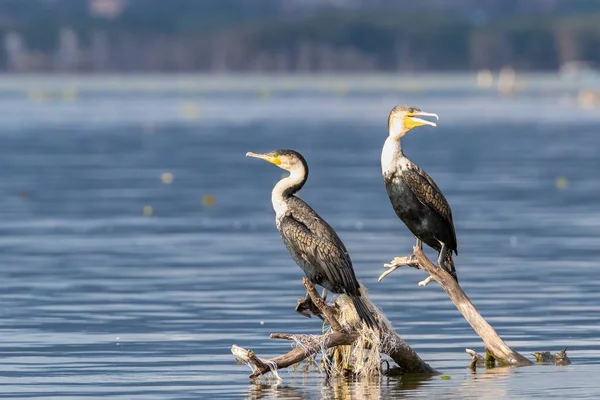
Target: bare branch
[(493, 342), (342, 335), (398, 262), (321, 305), (477, 360), (295, 355), (289, 336)]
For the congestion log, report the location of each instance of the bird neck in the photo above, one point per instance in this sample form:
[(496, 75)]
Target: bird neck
[(287, 187), (391, 154), (396, 128)]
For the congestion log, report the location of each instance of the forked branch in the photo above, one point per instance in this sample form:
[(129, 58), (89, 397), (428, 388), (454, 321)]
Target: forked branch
[(343, 333)]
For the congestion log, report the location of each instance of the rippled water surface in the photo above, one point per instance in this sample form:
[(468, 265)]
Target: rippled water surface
[(117, 284)]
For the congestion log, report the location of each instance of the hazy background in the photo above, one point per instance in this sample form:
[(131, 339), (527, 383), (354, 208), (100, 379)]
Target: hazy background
[(296, 35)]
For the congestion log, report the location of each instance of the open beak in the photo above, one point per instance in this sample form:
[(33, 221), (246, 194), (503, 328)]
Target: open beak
[(415, 121), (266, 157)]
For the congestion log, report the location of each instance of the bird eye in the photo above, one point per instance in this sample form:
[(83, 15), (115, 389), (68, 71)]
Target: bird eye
[(411, 110), (275, 155)]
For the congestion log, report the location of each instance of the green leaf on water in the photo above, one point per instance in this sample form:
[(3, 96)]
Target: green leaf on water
[(446, 378)]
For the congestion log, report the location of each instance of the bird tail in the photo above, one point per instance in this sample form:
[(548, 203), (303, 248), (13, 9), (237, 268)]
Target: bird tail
[(449, 266), (363, 311)]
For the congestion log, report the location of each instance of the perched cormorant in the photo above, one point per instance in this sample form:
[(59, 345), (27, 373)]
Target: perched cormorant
[(312, 243), (417, 200)]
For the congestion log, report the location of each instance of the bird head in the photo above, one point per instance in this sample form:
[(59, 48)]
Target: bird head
[(404, 118), (288, 160)]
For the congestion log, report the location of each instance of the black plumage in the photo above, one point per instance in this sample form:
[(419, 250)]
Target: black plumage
[(313, 243), (420, 204), (416, 198)]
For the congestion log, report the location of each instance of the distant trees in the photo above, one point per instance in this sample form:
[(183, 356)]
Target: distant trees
[(198, 38)]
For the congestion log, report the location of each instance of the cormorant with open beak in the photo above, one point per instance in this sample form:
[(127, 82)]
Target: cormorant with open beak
[(416, 199)]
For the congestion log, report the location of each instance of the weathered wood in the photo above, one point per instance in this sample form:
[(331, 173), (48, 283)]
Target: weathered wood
[(476, 360), (406, 358), (321, 305), (493, 343), (295, 355)]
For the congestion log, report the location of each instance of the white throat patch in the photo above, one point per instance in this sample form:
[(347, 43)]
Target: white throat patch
[(279, 204), (391, 155)]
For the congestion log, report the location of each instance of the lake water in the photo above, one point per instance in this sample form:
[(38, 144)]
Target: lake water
[(117, 284)]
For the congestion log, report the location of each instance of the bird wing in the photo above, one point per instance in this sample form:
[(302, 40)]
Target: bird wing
[(316, 243), (428, 193)]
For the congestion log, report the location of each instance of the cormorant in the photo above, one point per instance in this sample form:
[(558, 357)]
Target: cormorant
[(416, 199), (312, 243)]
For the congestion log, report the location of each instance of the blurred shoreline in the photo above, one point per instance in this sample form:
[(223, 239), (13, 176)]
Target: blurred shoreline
[(338, 83)]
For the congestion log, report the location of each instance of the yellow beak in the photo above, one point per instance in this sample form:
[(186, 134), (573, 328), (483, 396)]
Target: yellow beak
[(412, 120), (266, 157)]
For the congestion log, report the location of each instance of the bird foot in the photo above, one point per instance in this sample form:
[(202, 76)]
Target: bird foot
[(305, 307), (426, 281)]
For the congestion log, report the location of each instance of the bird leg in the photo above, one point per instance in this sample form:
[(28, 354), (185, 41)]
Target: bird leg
[(420, 244), (442, 257), (441, 264), (427, 280), (305, 306)]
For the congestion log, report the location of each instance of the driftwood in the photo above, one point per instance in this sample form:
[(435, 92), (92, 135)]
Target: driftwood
[(342, 334), (348, 332), (496, 349)]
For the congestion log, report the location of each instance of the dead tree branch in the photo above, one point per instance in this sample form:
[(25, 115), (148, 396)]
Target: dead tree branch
[(342, 334), (493, 343)]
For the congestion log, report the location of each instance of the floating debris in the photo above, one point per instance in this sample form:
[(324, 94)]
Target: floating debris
[(166, 178), (148, 210), (341, 90), (264, 94), (39, 96), (561, 358), (70, 94), (561, 182), (208, 200), (477, 360), (506, 80), (588, 99), (485, 79), (190, 111), (546, 357), (543, 357)]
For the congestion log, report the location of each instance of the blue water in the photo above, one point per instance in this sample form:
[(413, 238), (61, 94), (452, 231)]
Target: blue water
[(117, 284)]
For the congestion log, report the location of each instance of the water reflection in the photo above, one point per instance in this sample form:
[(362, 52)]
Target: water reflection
[(342, 388), (277, 390)]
